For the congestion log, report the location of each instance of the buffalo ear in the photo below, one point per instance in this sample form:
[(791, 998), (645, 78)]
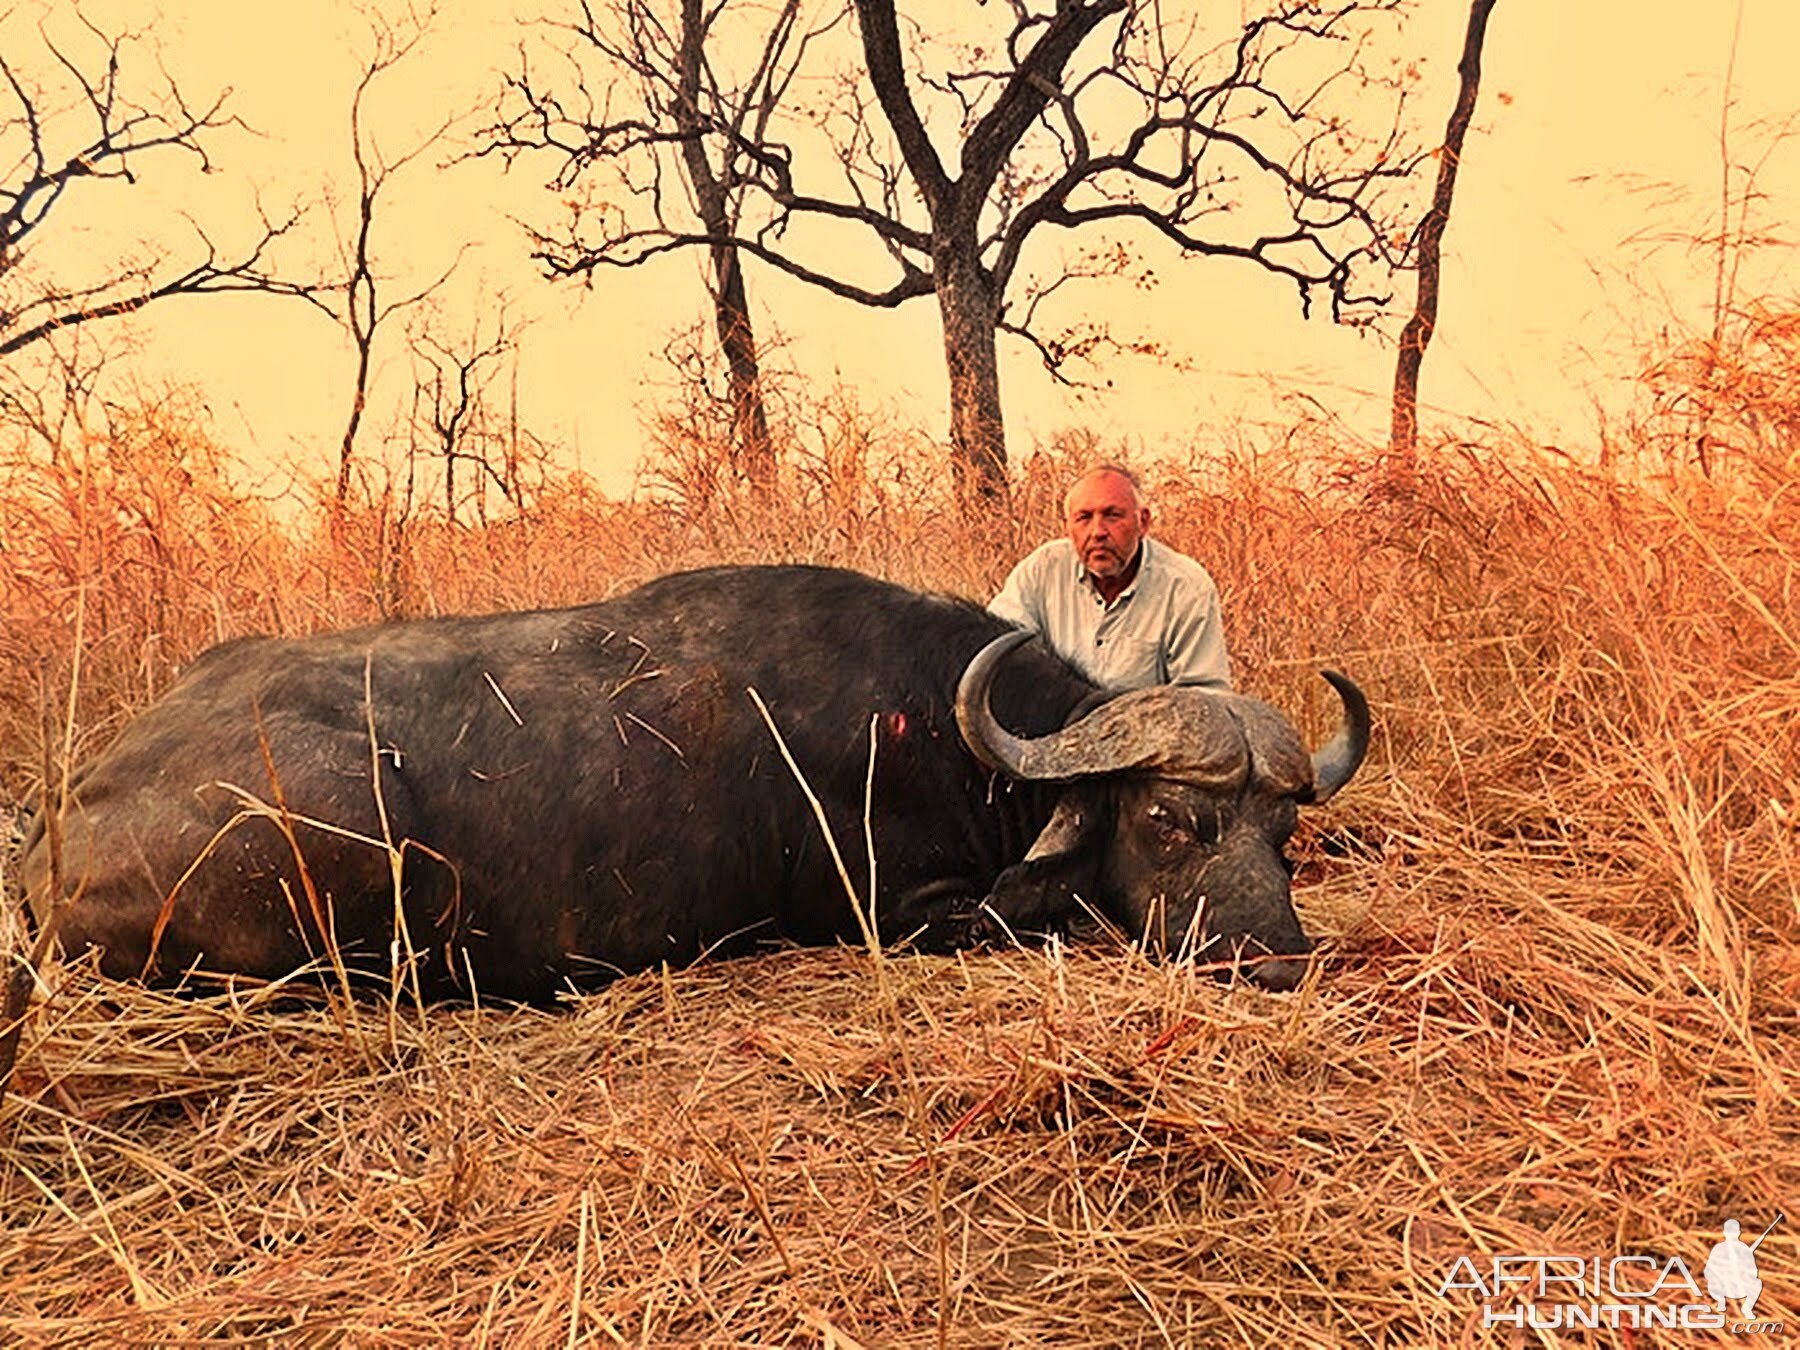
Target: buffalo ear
[(1039, 893), (1074, 822)]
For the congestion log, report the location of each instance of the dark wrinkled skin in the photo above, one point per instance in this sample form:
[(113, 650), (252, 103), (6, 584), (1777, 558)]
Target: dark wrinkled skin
[(1216, 862), (1182, 871), (624, 804)]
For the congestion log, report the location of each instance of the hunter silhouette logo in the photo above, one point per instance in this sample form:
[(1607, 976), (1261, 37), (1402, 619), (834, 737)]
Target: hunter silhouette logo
[(1731, 1268)]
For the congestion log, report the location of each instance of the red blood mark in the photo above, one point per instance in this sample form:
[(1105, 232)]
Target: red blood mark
[(897, 723)]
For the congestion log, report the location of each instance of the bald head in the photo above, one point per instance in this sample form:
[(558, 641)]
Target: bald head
[(1120, 477)]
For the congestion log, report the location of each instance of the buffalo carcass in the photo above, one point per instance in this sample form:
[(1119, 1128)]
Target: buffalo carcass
[(580, 792)]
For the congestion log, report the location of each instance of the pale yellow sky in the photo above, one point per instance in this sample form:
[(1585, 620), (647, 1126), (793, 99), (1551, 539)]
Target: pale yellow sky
[(1594, 155)]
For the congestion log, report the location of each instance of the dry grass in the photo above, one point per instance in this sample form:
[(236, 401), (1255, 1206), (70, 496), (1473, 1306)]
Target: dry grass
[(1557, 1012), (1079, 1150)]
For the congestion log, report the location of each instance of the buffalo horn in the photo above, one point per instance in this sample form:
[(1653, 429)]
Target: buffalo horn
[(1175, 733), (992, 744), (1340, 757)]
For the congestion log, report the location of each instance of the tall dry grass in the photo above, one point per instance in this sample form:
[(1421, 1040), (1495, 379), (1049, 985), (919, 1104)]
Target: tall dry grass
[(1556, 1014)]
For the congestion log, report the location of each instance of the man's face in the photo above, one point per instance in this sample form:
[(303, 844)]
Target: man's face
[(1106, 523)]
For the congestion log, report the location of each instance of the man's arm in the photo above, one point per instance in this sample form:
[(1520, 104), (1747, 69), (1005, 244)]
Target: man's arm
[(1021, 600), (1195, 649)]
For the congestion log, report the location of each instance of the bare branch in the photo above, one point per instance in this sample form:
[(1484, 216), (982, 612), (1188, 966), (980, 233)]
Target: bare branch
[(104, 140), (887, 72), (363, 310), (645, 245), (134, 289), (453, 409)]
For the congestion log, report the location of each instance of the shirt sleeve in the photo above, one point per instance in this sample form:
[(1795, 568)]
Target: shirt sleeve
[(1021, 601), (1196, 643)]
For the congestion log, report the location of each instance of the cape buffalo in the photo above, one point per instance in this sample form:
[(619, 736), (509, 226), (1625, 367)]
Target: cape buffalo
[(562, 795)]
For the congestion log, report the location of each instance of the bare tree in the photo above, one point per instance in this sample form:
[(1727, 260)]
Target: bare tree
[(718, 202), (361, 305), (1124, 119), (1416, 336), (61, 389), (454, 410), (94, 125), (696, 118)]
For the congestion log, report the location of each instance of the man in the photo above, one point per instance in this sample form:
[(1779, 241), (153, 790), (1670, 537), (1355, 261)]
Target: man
[(1125, 611), (1731, 1270)]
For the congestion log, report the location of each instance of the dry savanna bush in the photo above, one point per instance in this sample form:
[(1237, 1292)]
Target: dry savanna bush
[(1555, 1013)]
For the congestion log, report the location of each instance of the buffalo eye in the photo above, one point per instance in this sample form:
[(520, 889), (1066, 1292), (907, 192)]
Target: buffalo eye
[(1180, 829), (1162, 821)]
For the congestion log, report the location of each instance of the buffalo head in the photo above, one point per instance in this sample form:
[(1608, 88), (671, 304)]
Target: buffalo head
[(1176, 806)]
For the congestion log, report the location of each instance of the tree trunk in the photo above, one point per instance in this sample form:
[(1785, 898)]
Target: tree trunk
[(751, 446), (970, 314), (1416, 336), (359, 400)]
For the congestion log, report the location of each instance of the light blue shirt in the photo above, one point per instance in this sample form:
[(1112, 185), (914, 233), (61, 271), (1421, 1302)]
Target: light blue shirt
[(1164, 628)]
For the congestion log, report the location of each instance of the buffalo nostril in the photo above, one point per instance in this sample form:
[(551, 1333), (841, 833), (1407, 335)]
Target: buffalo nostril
[(1278, 974)]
